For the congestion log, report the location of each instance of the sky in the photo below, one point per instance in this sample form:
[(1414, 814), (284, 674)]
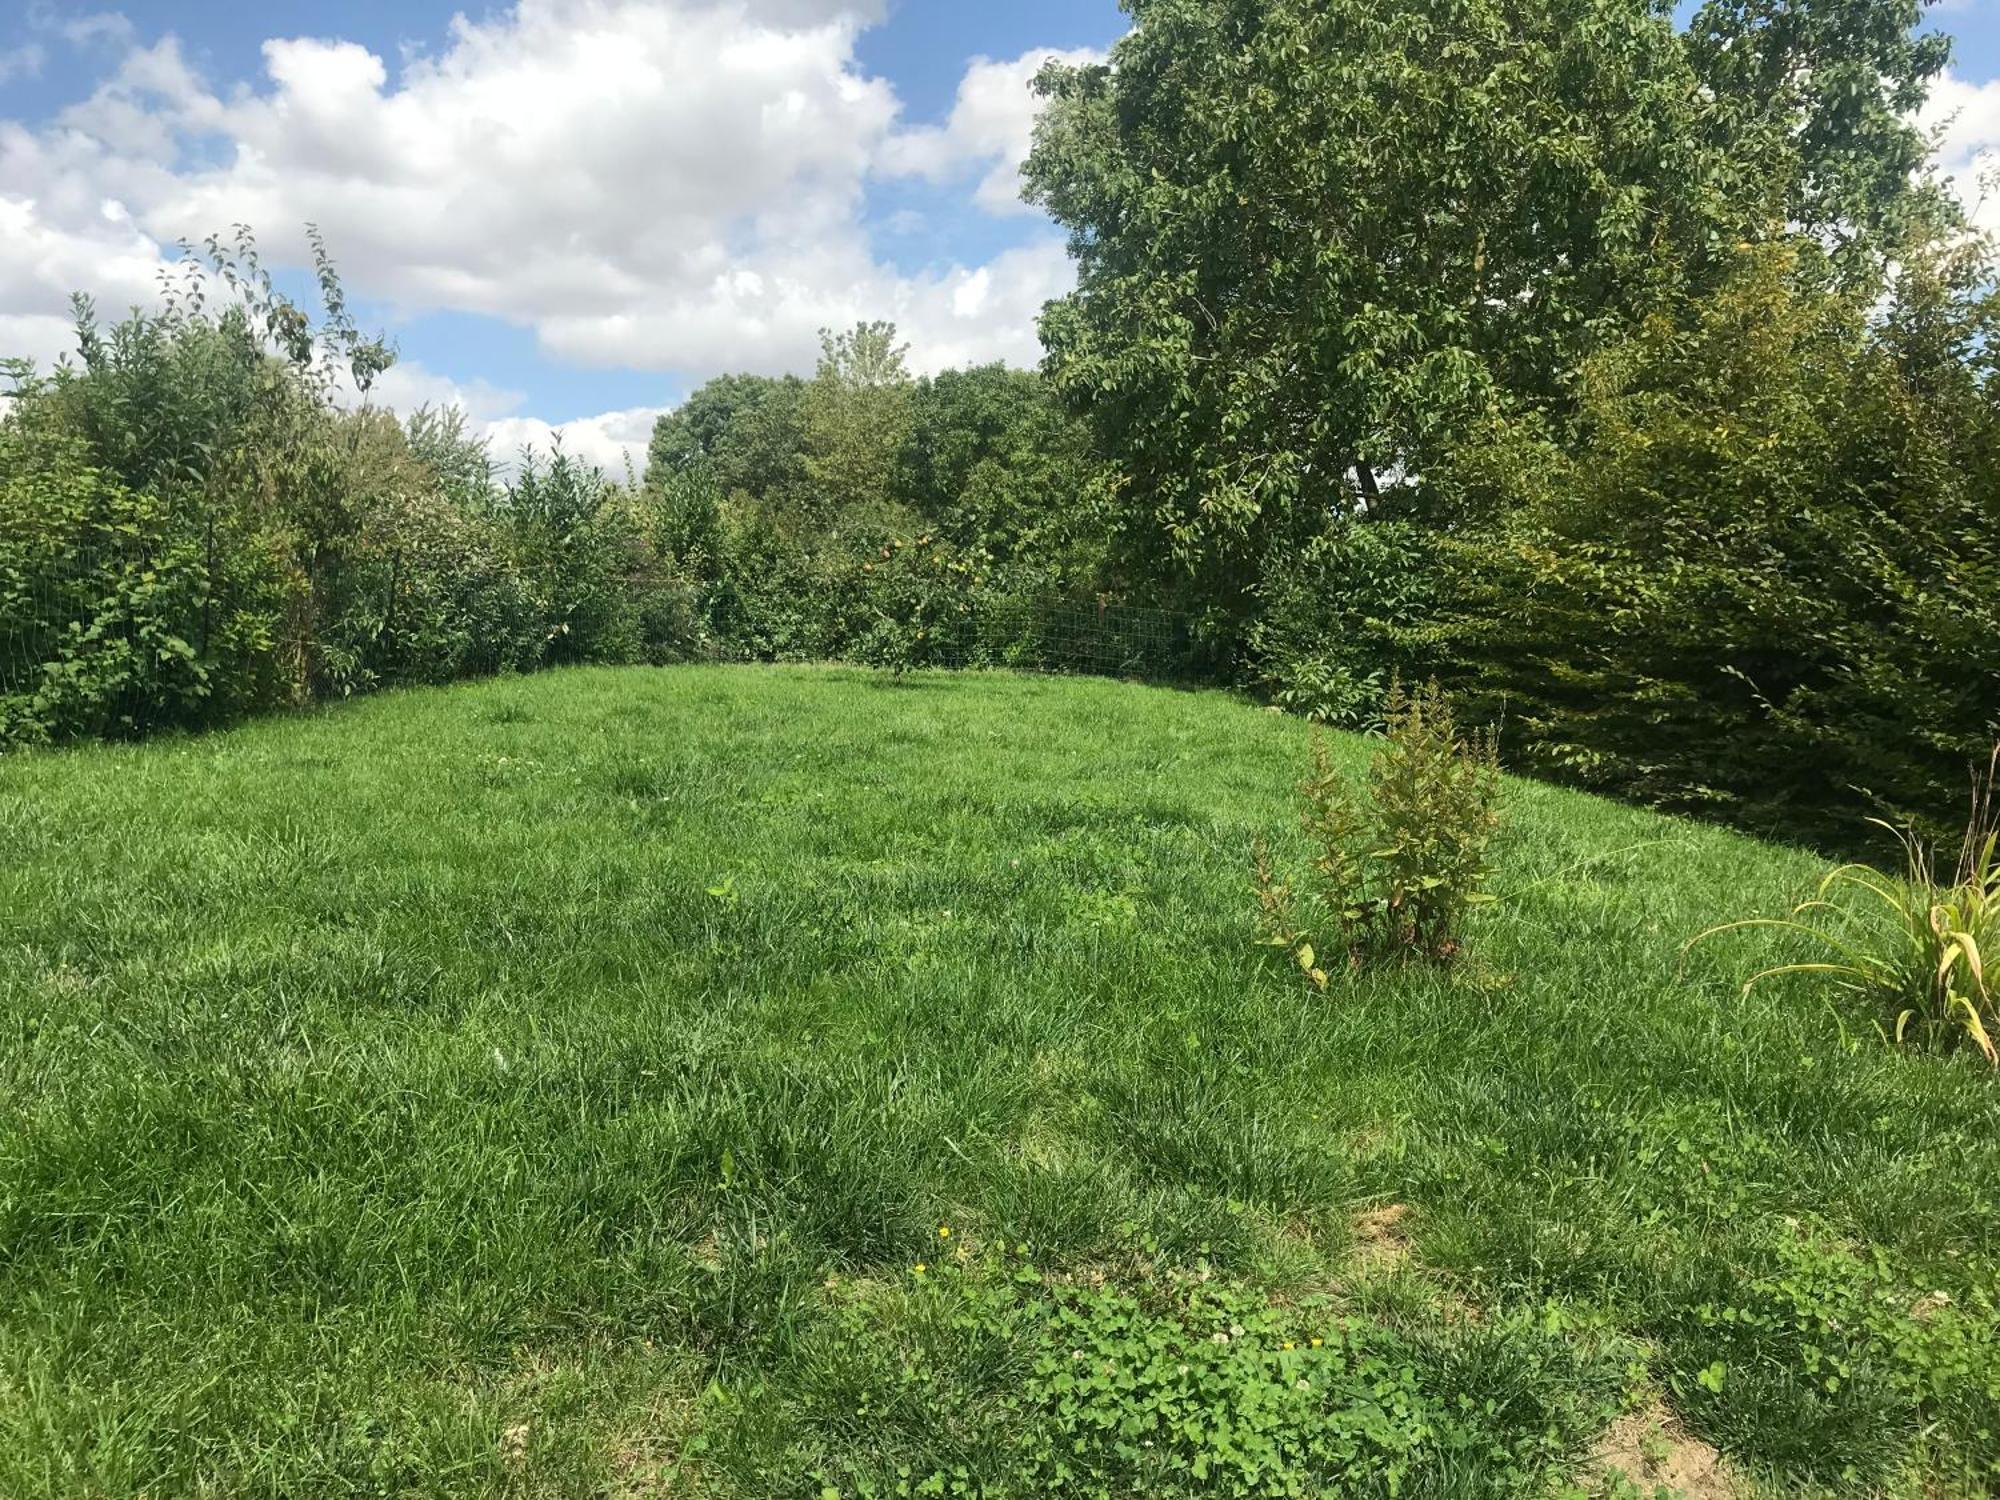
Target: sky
[(566, 214)]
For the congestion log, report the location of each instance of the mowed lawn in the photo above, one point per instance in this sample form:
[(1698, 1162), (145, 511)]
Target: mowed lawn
[(555, 1086)]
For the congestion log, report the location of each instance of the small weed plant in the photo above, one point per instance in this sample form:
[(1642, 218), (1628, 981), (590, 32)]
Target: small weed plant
[(1913, 946), (1176, 1383), (1814, 1312), (1397, 864)]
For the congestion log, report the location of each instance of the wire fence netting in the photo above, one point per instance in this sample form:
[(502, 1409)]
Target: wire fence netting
[(141, 616)]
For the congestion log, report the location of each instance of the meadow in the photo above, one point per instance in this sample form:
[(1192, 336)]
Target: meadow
[(744, 1081)]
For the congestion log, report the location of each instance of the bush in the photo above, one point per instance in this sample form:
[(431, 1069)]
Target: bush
[(1398, 875), (101, 598), (1760, 579), (192, 528), (1341, 617)]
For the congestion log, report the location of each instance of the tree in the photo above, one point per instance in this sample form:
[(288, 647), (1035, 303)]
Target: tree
[(1320, 238), (856, 415), (745, 430), (997, 464), (1818, 98)]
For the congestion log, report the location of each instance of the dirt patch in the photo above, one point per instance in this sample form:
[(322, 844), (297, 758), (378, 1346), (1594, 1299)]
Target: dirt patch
[(514, 1443), (1929, 1306), (1650, 1448), (1382, 1237)]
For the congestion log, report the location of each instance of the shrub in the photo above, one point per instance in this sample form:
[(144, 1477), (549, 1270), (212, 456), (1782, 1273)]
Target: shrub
[(1759, 577), (100, 597), (1397, 875), (1912, 947), (1340, 616)]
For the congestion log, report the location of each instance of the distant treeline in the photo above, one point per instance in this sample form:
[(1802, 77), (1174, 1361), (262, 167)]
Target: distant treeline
[(1634, 379)]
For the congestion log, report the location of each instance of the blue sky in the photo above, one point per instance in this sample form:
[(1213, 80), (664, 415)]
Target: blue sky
[(570, 211)]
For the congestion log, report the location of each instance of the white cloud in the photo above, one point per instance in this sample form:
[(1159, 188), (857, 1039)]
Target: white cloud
[(614, 441), (1966, 120), (52, 245), (21, 62), (663, 184), (409, 384), (992, 125), (610, 440)]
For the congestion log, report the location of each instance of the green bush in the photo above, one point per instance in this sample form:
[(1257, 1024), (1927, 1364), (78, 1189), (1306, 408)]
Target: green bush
[(192, 529), (101, 598), (1341, 617), (1761, 579)]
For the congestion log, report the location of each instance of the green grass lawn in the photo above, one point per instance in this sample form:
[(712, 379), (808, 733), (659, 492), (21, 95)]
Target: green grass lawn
[(553, 1086)]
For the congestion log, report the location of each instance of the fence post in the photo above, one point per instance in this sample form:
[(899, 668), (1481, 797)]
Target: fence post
[(207, 582)]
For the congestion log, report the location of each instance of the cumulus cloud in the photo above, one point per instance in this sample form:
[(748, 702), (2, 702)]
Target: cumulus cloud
[(45, 255), (1964, 117), (613, 441), (661, 184), (992, 125)]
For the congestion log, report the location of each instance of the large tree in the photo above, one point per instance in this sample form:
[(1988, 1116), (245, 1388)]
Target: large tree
[(741, 431), (1314, 237), (1818, 97), (856, 417)]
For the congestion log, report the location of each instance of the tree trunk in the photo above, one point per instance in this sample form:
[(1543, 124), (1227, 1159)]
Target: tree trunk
[(1364, 476)]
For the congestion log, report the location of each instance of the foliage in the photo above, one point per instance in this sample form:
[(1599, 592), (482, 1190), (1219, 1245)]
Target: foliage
[(98, 648), (1397, 874), (1821, 101), (1763, 579), (1315, 239), (1913, 948), (743, 431), (195, 527), (871, 516), (570, 531), (459, 463), (1342, 615), (1624, 367), (855, 418), (995, 464), (1213, 1392)]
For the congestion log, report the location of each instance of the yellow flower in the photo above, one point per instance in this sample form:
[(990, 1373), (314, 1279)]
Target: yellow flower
[(1288, 1343), (944, 1231), (1316, 1343), (921, 1268)]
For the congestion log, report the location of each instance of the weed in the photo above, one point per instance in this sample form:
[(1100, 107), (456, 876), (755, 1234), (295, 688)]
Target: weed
[(1397, 875), (1913, 947)]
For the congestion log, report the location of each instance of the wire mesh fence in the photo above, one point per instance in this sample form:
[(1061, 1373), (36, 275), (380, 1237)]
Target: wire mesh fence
[(1064, 634), (1094, 637), (118, 624)]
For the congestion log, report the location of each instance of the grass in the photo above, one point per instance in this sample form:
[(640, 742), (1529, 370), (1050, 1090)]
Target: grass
[(551, 1087)]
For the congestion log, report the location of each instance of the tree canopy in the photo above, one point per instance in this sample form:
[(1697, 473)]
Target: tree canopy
[(1316, 238)]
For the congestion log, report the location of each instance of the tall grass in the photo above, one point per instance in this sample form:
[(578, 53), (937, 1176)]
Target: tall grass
[(1913, 947)]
